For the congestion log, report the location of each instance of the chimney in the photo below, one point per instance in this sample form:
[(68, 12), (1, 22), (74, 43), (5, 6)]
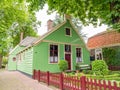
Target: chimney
[(67, 17), (21, 36), (49, 25)]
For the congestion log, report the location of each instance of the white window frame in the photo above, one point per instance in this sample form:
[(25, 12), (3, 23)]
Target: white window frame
[(70, 31), (77, 58), (55, 58)]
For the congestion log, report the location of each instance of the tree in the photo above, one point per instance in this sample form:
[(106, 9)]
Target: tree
[(89, 11), (16, 16)]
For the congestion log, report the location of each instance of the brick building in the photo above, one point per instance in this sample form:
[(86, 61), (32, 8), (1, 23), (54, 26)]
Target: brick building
[(106, 39)]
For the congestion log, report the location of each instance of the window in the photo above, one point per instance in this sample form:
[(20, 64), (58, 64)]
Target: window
[(92, 55), (22, 56), (19, 57), (98, 54), (14, 59), (68, 31), (78, 55), (67, 48), (53, 53)]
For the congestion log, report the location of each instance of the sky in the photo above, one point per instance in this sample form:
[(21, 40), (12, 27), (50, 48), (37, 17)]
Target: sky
[(43, 17)]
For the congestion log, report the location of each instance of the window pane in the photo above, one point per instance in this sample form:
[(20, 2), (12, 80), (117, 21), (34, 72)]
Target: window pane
[(55, 47), (56, 59), (51, 47), (53, 53), (67, 48), (78, 55), (51, 59), (78, 59), (67, 31)]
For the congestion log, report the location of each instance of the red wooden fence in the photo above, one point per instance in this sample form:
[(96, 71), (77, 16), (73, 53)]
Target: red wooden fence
[(73, 82), (114, 68)]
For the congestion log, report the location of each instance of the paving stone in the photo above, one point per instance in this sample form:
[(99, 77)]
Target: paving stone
[(14, 80)]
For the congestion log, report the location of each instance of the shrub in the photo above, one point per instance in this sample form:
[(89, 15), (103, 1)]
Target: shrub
[(77, 66), (87, 71), (4, 62), (112, 56), (63, 65), (99, 67)]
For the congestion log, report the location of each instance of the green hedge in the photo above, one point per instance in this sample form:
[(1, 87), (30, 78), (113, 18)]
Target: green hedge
[(112, 56), (99, 67)]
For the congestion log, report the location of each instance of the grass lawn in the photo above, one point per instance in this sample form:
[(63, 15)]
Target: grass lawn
[(114, 76)]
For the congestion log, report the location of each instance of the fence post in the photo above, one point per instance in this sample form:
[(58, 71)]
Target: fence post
[(33, 74), (61, 81), (48, 77), (39, 75), (83, 83), (115, 86)]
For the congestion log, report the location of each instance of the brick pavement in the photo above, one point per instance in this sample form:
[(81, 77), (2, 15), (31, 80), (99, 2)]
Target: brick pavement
[(14, 80)]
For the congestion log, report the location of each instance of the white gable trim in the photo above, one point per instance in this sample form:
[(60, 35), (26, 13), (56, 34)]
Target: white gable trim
[(77, 33), (13, 49), (48, 33)]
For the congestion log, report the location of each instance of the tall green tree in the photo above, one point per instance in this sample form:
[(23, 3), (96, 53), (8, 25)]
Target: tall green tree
[(89, 11), (16, 16)]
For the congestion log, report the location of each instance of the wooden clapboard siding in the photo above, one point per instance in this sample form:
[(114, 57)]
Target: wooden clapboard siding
[(41, 52), (59, 35), (11, 63), (37, 54), (25, 65)]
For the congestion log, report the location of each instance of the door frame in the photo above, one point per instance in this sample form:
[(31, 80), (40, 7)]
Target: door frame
[(70, 60), (70, 55)]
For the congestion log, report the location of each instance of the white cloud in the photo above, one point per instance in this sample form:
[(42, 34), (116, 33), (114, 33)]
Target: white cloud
[(43, 17), (91, 30)]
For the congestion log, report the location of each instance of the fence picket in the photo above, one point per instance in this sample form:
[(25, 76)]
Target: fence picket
[(95, 84), (39, 75), (91, 81), (61, 81), (73, 82), (104, 85), (115, 86), (99, 85), (109, 85)]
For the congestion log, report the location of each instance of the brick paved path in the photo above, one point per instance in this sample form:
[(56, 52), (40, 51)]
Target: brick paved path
[(14, 80)]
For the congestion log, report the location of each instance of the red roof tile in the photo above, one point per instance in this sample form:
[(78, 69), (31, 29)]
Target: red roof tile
[(107, 38)]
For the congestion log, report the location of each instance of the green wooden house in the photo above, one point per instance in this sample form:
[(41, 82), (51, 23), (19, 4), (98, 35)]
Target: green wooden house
[(13, 61), (62, 42)]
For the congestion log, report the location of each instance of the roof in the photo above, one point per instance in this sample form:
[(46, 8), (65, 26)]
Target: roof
[(55, 28), (49, 32), (104, 39), (38, 40), (28, 41)]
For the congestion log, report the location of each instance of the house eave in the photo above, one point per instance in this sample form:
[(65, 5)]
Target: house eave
[(48, 33), (104, 46)]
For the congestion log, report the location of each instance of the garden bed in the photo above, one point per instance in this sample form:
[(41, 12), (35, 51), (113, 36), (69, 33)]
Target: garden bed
[(112, 76)]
